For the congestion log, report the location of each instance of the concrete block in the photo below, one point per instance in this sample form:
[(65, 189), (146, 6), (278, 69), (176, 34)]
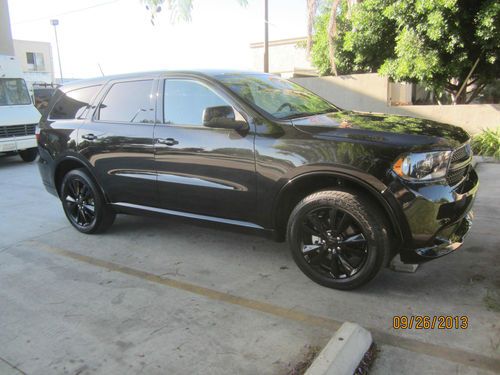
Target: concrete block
[(343, 353), (398, 266)]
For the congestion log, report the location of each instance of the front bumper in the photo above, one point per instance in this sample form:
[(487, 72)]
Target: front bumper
[(438, 216), (442, 245), (17, 143)]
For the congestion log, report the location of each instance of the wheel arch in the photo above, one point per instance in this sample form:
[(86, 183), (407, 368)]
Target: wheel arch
[(69, 163), (301, 186)]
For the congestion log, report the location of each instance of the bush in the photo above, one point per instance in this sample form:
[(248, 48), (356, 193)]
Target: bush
[(487, 143)]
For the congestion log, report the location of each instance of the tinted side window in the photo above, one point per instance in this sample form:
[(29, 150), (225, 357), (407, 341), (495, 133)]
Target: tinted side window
[(73, 103), (128, 102), (184, 102)]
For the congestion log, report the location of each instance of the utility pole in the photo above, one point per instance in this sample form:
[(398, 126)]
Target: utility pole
[(266, 37), (55, 23)]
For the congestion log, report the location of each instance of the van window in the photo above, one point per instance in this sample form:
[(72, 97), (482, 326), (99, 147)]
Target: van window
[(186, 100), (128, 102), (72, 104), (13, 91)]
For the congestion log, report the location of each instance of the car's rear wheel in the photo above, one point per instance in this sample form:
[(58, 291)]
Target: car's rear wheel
[(84, 203), (29, 154), (338, 238)]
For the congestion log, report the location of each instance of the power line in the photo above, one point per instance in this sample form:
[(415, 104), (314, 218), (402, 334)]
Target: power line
[(66, 13)]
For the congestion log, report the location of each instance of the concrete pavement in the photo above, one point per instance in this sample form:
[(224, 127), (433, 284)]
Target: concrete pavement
[(68, 307)]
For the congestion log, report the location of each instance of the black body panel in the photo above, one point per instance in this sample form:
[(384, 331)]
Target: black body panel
[(244, 176)]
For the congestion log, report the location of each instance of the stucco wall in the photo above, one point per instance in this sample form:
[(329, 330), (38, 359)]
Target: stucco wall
[(372, 93), (21, 47), (284, 56)]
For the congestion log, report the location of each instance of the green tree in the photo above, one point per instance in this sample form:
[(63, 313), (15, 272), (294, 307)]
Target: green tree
[(446, 45), (324, 47)]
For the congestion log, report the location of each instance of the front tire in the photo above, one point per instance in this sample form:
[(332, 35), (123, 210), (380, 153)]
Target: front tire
[(338, 238), (29, 154), (84, 203)]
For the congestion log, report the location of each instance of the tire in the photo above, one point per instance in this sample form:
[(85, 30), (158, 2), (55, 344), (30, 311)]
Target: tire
[(329, 228), (29, 154), (84, 203)]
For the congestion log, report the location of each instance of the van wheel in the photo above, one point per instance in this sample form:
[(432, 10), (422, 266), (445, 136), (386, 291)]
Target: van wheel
[(29, 154), (338, 238), (84, 203)]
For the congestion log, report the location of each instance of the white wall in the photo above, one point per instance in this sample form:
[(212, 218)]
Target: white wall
[(284, 56), (372, 93)]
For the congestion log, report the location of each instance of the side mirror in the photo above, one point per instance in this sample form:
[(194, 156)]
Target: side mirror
[(222, 117)]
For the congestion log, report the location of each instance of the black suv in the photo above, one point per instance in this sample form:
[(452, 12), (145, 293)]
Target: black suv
[(347, 190)]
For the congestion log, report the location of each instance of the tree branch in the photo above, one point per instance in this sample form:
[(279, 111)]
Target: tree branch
[(332, 34), (468, 76), (476, 92)]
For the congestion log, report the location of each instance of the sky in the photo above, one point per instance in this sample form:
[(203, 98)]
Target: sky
[(118, 34)]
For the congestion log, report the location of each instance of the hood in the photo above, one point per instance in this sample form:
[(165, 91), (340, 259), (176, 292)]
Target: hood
[(19, 114), (412, 132)]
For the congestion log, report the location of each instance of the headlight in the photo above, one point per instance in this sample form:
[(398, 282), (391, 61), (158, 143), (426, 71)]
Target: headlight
[(422, 166)]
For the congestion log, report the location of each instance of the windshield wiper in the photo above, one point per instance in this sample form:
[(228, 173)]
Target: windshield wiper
[(295, 115), (304, 114)]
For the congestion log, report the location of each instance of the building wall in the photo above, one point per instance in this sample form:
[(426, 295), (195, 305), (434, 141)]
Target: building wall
[(6, 46), (35, 73), (285, 57), (373, 93)]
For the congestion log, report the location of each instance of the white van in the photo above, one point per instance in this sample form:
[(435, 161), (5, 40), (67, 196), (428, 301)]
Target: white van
[(18, 115)]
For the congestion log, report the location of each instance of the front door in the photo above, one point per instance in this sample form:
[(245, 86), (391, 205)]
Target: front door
[(201, 170), (118, 142)]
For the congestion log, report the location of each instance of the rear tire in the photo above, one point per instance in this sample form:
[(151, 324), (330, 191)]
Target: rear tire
[(84, 203), (338, 238), (29, 154)]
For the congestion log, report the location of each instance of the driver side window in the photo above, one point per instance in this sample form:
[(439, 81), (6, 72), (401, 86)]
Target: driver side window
[(185, 101)]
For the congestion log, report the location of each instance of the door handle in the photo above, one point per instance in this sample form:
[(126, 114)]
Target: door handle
[(167, 141), (89, 137)]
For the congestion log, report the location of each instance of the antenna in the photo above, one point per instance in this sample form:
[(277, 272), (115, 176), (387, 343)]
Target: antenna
[(99, 65)]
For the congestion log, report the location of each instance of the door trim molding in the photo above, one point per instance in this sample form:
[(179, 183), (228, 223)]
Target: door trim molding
[(188, 215)]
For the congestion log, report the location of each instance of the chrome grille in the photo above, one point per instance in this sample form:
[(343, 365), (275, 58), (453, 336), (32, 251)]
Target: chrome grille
[(455, 176), (17, 130), (462, 154), (458, 171)]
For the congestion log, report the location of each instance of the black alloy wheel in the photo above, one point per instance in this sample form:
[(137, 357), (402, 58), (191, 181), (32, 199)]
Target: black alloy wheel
[(84, 204), (79, 202), (338, 238), (333, 242)]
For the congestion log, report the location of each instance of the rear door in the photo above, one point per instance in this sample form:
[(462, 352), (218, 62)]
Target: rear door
[(202, 170), (118, 141)]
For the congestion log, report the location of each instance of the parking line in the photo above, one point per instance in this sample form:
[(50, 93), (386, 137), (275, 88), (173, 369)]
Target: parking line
[(442, 352)]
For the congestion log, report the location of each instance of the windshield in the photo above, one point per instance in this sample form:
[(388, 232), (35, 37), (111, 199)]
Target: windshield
[(276, 96), (13, 91)]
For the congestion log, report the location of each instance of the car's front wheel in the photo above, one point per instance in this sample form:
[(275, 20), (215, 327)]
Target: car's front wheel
[(29, 154), (84, 204), (338, 238)]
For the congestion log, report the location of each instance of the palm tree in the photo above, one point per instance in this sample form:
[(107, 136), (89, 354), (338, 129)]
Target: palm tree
[(180, 10), (332, 34), (312, 6)]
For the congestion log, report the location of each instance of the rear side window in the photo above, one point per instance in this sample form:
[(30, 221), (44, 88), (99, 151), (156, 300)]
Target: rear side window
[(186, 100), (128, 102), (73, 104)]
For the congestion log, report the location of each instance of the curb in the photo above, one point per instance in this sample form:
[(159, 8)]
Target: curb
[(484, 159), (343, 353)]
